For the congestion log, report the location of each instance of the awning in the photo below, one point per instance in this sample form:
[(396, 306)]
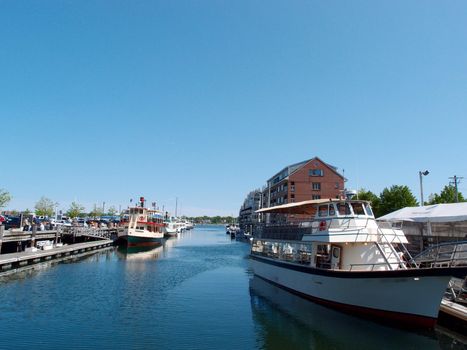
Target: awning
[(451, 212), (305, 207)]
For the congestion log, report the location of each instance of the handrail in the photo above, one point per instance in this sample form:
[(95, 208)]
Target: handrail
[(438, 254)]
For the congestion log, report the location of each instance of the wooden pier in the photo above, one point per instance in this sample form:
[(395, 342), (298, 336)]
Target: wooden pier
[(82, 241), (29, 238), (10, 263), (453, 315)]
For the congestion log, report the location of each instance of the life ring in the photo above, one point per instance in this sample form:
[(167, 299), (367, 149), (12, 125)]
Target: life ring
[(322, 226), (141, 218)]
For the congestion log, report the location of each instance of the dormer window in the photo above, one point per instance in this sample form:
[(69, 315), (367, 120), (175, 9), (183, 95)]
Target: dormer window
[(316, 172)]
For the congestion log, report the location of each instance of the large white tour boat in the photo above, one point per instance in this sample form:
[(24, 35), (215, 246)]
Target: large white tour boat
[(333, 252), (142, 226)]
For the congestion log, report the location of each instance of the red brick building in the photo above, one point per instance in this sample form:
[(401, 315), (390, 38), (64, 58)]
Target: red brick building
[(310, 179)]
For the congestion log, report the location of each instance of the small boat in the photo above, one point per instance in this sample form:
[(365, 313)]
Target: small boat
[(142, 226), (334, 252), (233, 230), (170, 229)]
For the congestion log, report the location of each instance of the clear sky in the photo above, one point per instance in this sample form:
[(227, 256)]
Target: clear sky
[(205, 100)]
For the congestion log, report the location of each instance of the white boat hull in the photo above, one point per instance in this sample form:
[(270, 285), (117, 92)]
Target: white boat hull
[(411, 298), (170, 232)]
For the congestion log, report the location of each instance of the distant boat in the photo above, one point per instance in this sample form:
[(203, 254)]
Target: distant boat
[(170, 229), (142, 227)]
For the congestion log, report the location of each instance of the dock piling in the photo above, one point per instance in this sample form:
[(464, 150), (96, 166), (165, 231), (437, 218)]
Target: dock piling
[(33, 235)]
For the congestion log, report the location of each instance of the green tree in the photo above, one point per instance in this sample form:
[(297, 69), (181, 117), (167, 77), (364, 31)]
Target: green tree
[(395, 198), (447, 195), (4, 198), (75, 210), (112, 211), (45, 207), (27, 212), (372, 198)]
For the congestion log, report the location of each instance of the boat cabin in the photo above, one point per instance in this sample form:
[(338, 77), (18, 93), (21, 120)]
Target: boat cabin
[(141, 219), (338, 234)]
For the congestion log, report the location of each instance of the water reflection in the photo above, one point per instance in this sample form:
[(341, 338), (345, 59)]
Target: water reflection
[(289, 321), (145, 253), (140, 253)]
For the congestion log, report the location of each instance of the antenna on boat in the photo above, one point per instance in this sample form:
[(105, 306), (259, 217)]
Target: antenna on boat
[(350, 193)]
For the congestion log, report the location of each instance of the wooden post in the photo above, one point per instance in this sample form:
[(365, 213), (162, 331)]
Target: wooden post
[(33, 235), (56, 237), (2, 230)]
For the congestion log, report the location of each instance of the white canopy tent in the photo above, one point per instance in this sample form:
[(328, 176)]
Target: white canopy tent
[(442, 213)]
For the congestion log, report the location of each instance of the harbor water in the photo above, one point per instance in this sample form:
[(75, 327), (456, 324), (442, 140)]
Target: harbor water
[(195, 292)]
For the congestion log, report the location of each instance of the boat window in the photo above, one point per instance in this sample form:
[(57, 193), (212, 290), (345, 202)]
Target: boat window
[(322, 210), (369, 212), (343, 208), (332, 210), (358, 209)]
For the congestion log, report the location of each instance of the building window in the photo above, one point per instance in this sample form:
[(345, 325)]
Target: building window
[(316, 196), (292, 196), (316, 172), (292, 188), (316, 186), (337, 185)]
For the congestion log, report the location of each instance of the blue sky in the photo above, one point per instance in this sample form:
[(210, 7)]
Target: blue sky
[(205, 100)]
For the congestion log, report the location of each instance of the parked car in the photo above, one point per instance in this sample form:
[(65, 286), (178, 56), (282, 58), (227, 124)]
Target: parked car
[(12, 222), (62, 223)]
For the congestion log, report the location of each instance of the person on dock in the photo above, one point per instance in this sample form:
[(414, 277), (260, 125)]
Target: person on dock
[(26, 225)]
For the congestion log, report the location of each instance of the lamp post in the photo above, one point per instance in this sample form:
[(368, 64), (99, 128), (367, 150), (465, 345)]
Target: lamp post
[(421, 174)]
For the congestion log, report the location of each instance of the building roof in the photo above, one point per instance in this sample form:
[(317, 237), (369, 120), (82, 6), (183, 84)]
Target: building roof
[(296, 166), (450, 212)]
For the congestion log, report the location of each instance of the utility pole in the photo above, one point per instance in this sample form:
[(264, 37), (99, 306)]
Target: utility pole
[(421, 174), (455, 181)]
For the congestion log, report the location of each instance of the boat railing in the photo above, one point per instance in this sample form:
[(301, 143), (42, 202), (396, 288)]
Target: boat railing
[(296, 230), (448, 254)]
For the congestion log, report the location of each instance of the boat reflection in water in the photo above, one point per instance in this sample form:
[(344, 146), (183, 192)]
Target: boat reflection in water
[(290, 322), (145, 252), (139, 253)]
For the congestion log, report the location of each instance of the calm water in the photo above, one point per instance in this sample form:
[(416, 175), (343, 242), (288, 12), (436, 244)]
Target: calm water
[(196, 292)]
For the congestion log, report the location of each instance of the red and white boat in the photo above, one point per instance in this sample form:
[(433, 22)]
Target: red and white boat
[(142, 226), (333, 252)]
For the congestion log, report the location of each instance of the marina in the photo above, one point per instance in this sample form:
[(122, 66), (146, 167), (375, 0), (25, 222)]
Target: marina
[(233, 175), (138, 297)]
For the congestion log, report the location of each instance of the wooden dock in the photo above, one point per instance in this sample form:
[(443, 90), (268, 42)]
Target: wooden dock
[(10, 263), (453, 315)]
